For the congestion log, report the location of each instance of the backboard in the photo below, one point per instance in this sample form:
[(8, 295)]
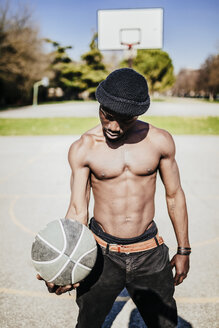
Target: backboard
[(119, 28)]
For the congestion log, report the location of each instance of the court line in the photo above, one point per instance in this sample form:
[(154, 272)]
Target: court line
[(205, 242), (32, 233), (23, 167), (15, 220), (31, 293), (36, 294), (29, 231), (28, 162), (197, 300)]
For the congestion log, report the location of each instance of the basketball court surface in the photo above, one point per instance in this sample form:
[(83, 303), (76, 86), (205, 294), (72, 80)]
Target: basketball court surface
[(34, 189)]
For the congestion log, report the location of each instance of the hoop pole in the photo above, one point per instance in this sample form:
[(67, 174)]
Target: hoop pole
[(130, 62), (130, 47), (35, 93), (130, 59)]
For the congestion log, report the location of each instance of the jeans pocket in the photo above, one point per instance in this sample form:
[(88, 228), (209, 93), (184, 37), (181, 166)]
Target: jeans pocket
[(152, 261)]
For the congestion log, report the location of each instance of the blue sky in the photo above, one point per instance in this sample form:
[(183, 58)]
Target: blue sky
[(191, 27)]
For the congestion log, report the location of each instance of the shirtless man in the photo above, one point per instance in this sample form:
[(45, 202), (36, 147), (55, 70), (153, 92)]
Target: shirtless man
[(119, 159)]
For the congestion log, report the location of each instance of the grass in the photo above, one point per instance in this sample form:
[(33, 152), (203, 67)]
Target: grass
[(78, 125), (186, 125), (46, 126)]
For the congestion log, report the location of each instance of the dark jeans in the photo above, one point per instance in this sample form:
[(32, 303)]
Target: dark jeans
[(148, 277)]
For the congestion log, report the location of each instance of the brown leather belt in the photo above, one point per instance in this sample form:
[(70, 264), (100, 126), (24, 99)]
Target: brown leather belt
[(131, 248)]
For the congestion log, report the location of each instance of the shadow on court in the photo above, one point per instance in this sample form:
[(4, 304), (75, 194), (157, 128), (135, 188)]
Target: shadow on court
[(135, 320)]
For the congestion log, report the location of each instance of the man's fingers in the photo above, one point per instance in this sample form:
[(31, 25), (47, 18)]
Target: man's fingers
[(63, 289), (39, 277), (58, 291), (51, 287), (172, 263), (66, 288), (178, 279), (50, 284)]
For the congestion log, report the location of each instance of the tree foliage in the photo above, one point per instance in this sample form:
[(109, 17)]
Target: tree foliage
[(77, 79), (156, 66), (93, 68), (22, 61), (65, 73)]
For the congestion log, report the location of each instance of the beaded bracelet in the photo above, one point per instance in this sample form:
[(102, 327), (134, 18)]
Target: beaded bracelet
[(184, 250)]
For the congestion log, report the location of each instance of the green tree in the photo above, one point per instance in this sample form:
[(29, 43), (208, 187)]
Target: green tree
[(77, 79), (156, 66), (93, 68), (64, 71), (22, 60)]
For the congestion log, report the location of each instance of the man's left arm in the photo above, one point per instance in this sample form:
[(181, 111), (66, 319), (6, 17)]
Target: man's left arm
[(176, 204)]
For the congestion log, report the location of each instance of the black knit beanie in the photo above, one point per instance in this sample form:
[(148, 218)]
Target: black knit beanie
[(124, 91)]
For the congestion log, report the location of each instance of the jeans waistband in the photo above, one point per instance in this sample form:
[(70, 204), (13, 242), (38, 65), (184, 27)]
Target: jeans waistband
[(148, 234)]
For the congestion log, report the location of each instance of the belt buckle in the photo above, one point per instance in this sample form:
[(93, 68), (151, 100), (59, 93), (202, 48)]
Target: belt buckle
[(122, 247), (109, 245), (118, 247)]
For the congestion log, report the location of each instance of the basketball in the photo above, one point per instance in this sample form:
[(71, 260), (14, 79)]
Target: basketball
[(64, 252)]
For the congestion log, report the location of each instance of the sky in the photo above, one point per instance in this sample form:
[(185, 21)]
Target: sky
[(191, 27)]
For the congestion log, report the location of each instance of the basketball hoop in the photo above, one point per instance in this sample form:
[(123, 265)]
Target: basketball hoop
[(131, 28), (130, 45), (119, 26)]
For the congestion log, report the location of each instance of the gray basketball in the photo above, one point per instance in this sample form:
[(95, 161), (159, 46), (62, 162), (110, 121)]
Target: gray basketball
[(64, 252)]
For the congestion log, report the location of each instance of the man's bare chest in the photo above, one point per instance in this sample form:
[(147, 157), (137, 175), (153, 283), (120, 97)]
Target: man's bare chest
[(137, 159)]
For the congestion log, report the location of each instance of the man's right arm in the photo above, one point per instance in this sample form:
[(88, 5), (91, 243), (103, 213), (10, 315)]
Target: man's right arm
[(80, 181), (80, 194)]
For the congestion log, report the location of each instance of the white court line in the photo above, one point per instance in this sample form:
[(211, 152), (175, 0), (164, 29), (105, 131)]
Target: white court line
[(33, 293)]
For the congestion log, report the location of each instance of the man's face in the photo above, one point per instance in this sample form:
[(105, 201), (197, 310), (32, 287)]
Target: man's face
[(115, 125)]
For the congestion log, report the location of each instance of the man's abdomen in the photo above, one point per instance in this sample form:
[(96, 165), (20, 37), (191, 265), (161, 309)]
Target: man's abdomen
[(124, 207)]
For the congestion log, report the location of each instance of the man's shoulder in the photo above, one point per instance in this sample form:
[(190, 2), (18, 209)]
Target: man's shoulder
[(162, 139), (158, 133), (86, 141)]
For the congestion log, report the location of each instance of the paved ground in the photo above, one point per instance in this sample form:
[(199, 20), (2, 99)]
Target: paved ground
[(34, 189), (181, 107)]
